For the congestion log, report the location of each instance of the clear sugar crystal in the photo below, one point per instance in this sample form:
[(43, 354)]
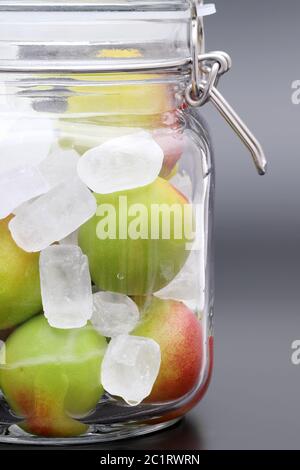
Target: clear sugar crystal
[(66, 286), (114, 314), (53, 216), (130, 367)]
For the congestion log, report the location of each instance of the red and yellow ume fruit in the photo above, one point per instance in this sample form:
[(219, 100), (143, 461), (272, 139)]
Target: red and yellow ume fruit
[(122, 97), (138, 263), (179, 333), (50, 377), (172, 143), (100, 105), (120, 94), (20, 293)]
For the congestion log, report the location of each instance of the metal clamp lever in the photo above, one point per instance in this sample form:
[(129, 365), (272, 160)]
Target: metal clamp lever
[(240, 129), (206, 71), (218, 63)]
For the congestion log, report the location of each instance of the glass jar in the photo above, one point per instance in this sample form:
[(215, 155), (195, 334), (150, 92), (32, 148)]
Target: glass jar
[(106, 182)]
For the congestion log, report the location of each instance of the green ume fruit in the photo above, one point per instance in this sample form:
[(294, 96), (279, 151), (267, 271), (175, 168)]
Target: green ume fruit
[(51, 376), (20, 293), (136, 242)]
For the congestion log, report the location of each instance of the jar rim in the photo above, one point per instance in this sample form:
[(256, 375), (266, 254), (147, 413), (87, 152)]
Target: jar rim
[(93, 5)]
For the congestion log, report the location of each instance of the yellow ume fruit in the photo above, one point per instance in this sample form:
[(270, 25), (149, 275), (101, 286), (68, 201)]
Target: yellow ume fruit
[(20, 293)]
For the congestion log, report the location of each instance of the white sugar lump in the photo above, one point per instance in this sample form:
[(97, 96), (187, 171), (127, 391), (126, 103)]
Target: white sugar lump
[(66, 286), (53, 216), (121, 164)]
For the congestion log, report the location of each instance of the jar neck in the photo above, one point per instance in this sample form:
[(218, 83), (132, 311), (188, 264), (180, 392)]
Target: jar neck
[(109, 95)]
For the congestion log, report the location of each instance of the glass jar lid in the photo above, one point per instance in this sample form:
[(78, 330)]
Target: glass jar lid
[(96, 35)]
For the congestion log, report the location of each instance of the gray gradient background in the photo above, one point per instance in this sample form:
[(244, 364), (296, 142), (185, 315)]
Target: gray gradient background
[(255, 394), (254, 398)]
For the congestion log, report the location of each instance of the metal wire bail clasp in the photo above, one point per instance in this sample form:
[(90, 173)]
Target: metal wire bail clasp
[(206, 71), (197, 46)]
